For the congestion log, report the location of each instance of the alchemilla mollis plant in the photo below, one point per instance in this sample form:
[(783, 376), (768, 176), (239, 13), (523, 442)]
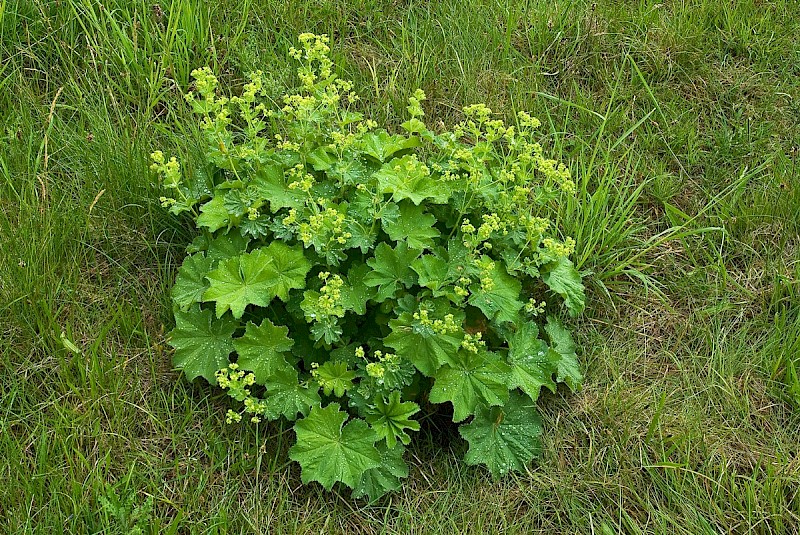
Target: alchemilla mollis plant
[(352, 280)]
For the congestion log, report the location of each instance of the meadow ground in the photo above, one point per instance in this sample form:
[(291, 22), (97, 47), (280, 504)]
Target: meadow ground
[(681, 120)]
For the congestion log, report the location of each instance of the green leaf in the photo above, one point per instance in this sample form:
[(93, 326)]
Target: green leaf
[(421, 345), (563, 353), (329, 451), (270, 184), (531, 364), (227, 246), (391, 270), (504, 438), (327, 329), (434, 273), (500, 303), (564, 279), (349, 170), (355, 293), (262, 348), (288, 268), (334, 377), (381, 146), (390, 418), (408, 178), (377, 481), (240, 281), (235, 202), (320, 159), (190, 284), (202, 343), (412, 225), (415, 126), (287, 397), (362, 234), (213, 214), (475, 379), (256, 228)]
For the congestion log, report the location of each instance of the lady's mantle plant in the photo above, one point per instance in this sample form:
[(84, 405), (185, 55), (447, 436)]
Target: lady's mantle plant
[(350, 280)]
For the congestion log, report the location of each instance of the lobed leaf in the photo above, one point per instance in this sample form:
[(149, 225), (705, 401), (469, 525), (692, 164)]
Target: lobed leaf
[(562, 351), (384, 478), (407, 178), (391, 270), (474, 379), (329, 451), (202, 343), (191, 284), (532, 365), (565, 280), (240, 281), (214, 215), (390, 418), (411, 224), (381, 145), (500, 303), (425, 349), (262, 349), (271, 185), (287, 396), (503, 438), (334, 378)]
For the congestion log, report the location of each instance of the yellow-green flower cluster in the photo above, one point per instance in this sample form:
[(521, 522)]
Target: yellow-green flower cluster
[(236, 381), (341, 141), (376, 370), (473, 342), (314, 57), (232, 417), (170, 175), (256, 407), (300, 179), (557, 249), (535, 308), (460, 288), (478, 238), (486, 266), (526, 121), (491, 223), (328, 222), (534, 226), (286, 144), (411, 164), (248, 109), (206, 85), (558, 173), (478, 112), (329, 301), (445, 325), (385, 362), (170, 171), (446, 175), (298, 105)]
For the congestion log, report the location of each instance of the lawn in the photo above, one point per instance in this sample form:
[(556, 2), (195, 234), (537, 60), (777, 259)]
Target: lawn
[(680, 121)]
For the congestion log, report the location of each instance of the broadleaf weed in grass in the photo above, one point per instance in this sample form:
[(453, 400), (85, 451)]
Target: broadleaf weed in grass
[(371, 267)]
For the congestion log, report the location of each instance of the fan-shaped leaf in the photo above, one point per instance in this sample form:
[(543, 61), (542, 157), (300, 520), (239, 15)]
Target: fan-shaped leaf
[(329, 451), (504, 438), (202, 343)]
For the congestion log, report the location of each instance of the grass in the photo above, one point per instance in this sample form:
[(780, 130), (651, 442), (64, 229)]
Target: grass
[(680, 120)]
